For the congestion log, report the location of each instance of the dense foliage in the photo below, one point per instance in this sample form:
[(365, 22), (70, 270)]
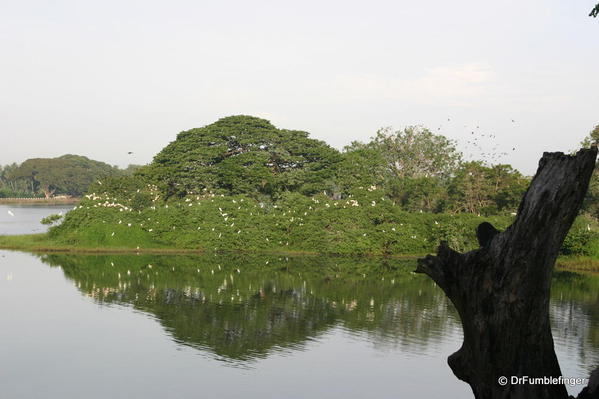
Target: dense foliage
[(11, 187), (424, 172), (591, 201), (242, 184), (66, 175), (243, 154), (366, 223)]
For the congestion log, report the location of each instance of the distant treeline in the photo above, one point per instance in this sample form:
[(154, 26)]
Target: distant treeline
[(69, 175)]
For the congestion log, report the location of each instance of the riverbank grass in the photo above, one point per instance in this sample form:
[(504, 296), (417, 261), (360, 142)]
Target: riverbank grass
[(45, 243)]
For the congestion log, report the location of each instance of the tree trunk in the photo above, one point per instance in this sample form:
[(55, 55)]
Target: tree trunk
[(501, 290), (47, 191)]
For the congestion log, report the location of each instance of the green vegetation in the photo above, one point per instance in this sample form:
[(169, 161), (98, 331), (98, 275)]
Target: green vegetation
[(50, 220), (423, 172), (366, 223), (243, 154), (241, 184), (416, 169), (15, 188), (44, 177), (591, 201)]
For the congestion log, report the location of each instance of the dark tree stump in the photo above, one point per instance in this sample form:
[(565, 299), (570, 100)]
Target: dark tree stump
[(501, 290)]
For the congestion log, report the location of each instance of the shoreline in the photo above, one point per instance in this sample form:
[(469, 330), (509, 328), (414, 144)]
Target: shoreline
[(39, 243), (39, 201), (578, 264)]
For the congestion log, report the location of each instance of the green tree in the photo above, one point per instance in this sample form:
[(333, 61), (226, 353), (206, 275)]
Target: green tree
[(470, 188), (591, 200), (361, 167), (14, 187), (414, 164), (592, 138), (243, 154), (478, 188), (131, 169), (415, 152), (507, 187), (422, 194), (68, 174)]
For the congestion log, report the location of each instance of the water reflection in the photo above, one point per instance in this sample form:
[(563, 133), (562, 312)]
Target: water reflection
[(575, 321), (244, 308)]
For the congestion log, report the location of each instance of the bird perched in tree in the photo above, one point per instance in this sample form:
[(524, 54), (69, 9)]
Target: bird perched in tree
[(485, 233)]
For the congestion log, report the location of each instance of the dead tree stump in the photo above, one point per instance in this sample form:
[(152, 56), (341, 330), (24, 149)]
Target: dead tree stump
[(501, 290)]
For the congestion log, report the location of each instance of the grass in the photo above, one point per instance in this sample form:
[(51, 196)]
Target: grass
[(295, 224), (578, 263), (44, 243)]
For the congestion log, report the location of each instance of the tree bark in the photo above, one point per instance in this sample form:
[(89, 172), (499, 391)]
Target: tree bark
[(47, 191), (501, 290)]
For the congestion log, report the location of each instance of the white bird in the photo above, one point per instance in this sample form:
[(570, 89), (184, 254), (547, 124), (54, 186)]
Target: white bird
[(10, 213)]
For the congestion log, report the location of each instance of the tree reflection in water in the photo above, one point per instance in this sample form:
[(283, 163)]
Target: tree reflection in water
[(244, 307)]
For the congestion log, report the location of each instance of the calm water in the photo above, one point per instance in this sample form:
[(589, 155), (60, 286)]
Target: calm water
[(140, 326), (25, 219)]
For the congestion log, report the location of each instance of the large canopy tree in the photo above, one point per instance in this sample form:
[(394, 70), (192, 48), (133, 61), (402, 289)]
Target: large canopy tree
[(243, 154), (68, 174)]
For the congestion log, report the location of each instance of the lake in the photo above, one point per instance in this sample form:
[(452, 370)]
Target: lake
[(25, 219), (148, 326)]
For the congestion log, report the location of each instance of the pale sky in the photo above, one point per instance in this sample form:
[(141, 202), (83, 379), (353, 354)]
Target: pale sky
[(101, 78)]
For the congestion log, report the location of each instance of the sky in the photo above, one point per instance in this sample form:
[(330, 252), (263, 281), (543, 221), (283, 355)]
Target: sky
[(103, 78)]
